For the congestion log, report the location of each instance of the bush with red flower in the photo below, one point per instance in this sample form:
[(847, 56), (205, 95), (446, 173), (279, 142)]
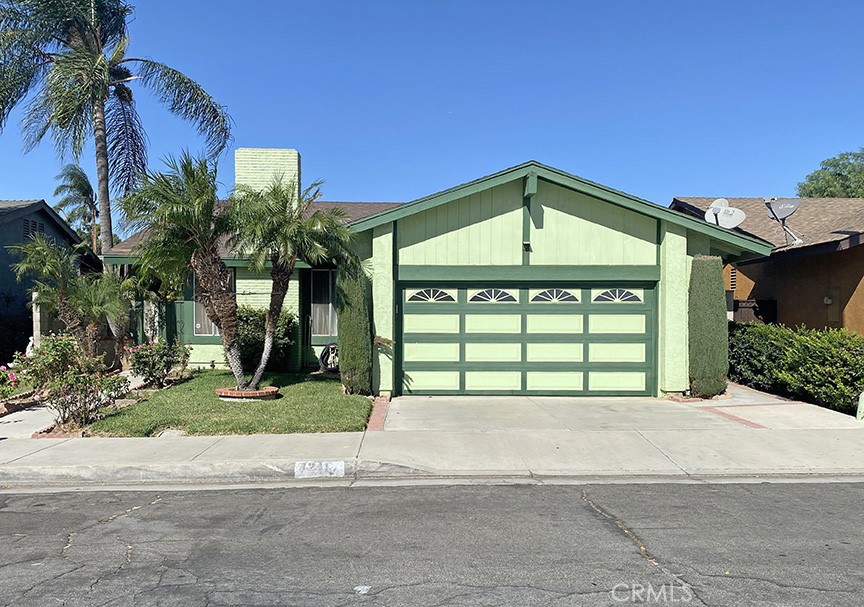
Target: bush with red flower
[(8, 382)]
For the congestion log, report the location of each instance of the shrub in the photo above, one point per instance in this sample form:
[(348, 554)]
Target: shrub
[(154, 361), (756, 352), (824, 367), (251, 330), (355, 332), (54, 358), (77, 399), (8, 382), (708, 337)]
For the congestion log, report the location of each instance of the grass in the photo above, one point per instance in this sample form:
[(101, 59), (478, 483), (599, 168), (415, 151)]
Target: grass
[(308, 403)]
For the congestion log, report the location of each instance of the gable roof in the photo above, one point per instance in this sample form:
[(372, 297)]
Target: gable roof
[(747, 245), (827, 223), (13, 209), (353, 211)]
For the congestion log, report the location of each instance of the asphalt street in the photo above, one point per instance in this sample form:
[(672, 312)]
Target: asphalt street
[(681, 544)]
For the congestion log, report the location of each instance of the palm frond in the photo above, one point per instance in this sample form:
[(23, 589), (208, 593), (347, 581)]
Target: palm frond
[(188, 100), (127, 141)]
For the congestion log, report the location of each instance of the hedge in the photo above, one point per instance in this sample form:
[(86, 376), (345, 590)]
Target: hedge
[(251, 328), (708, 337), (355, 332), (824, 367)]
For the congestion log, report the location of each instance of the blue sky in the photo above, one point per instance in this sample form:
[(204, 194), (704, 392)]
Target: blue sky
[(395, 100)]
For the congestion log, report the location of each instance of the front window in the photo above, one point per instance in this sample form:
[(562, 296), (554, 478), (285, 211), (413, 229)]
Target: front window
[(324, 302), (203, 325)]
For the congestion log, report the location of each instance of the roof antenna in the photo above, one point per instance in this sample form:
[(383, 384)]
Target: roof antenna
[(779, 210)]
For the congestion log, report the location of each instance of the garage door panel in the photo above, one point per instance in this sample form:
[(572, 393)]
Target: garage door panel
[(493, 352), (554, 381), (421, 381), (616, 352), (493, 323), (554, 323), (431, 352), (616, 323), (616, 381), (431, 323), (493, 380), (555, 352)]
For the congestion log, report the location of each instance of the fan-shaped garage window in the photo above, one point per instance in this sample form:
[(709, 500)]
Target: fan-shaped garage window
[(553, 296), (492, 296), (617, 296), (431, 295)]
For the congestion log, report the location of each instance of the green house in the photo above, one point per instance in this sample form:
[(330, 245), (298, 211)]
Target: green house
[(527, 281)]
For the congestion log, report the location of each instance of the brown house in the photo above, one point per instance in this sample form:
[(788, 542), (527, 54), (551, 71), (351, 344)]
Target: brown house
[(819, 283)]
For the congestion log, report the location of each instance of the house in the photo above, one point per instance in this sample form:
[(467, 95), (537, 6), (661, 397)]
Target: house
[(20, 219), (526, 281), (819, 283)]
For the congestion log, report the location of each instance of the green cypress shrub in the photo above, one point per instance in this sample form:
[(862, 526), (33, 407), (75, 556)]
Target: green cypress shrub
[(708, 330), (355, 331)]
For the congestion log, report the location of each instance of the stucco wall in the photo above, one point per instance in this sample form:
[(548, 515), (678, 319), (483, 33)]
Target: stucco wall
[(800, 284)]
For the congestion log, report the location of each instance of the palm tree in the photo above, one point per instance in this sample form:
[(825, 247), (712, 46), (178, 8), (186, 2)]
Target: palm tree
[(277, 225), (78, 204), (73, 56), (186, 229), (81, 301)]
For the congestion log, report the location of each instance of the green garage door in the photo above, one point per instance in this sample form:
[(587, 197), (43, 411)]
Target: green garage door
[(528, 339)]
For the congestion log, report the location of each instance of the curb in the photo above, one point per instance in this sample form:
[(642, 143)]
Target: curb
[(360, 473)]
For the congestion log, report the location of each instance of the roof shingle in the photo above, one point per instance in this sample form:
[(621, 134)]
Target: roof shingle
[(817, 220)]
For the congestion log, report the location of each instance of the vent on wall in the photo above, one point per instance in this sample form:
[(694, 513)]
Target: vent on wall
[(31, 227), (733, 278)]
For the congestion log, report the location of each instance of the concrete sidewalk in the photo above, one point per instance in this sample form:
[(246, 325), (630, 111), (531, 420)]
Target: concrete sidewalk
[(750, 435)]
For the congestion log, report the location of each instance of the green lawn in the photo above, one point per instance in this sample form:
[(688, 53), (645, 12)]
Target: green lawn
[(308, 403)]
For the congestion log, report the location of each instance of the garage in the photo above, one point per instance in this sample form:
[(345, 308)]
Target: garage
[(536, 338), (533, 281)]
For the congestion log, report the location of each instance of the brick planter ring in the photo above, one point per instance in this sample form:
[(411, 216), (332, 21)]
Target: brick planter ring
[(234, 394)]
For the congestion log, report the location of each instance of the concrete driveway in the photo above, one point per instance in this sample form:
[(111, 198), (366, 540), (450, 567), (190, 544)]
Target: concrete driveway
[(741, 408)]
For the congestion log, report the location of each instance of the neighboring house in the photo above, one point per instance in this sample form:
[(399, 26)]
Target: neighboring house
[(819, 283), (20, 219), (527, 281)]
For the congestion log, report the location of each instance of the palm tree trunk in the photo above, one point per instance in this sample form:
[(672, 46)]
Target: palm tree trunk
[(94, 228), (213, 291), (281, 276), (101, 141)]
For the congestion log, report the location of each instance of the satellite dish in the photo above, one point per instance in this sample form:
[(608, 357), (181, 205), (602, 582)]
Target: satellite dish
[(721, 214), (784, 208)]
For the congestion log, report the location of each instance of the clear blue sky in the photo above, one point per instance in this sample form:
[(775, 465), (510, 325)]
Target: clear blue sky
[(395, 100)]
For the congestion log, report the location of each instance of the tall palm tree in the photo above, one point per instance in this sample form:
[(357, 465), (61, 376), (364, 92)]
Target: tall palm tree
[(72, 54), (277, 225), (187, 228), (78, 202)]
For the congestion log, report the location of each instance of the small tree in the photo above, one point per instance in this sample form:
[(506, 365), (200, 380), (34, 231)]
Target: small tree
[(279, 225), (355, 330), (709, 340), (187, 228), (81, 301)]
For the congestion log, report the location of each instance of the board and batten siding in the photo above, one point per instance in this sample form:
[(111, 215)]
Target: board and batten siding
[(565, 228), (481, 229), (570, 228)]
